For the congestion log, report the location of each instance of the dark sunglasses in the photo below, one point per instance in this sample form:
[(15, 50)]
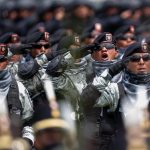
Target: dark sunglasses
[(39, 46), (107, 46), (125, 37), (137, 58)]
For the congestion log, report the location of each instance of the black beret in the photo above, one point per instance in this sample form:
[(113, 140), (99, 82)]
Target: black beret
[(88, 32), (36, 37), (67, 41), (56, 66), (136, 48), (104, 37), (57, 36), (37, 28), (123, 30), (9, 37), (20, 49)]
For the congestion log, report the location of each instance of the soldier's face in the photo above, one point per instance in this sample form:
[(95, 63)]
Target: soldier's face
[(126, 40), (139, 63), (107, 52), (39, 48)]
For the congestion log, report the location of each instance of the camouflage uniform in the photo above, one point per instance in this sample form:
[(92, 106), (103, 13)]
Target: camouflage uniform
[(76, 71), (34, 83)]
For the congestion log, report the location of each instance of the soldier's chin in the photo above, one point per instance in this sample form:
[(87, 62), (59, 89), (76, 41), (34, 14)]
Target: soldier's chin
[(142, 72)]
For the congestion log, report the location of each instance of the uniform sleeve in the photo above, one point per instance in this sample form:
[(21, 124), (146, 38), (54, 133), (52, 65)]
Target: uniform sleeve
[(109, 97), (28, 69), (102, 81), (25, 101), (27, 111), (48, 87), (109, 91)]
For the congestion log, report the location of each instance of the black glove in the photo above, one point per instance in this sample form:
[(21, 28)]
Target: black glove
[(28, 69), (20, 49), (56, 66), (81, 52), (52, 54), (63, 51), (89, 96), (116, 68)]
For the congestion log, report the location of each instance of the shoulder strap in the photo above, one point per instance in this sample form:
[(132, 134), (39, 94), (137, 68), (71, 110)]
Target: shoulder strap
[(121, 90), (15, 108), (90, 74), (14, 103)]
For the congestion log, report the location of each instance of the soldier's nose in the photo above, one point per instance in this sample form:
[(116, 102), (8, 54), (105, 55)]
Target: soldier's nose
[(43, 49), (104, 49), (141, 61)]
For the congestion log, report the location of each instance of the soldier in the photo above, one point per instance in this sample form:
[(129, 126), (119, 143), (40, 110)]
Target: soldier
[(40, 42), (63, 85), (103, 54), (91, 32), (31, 70), (12, 40), (75, 63), (8, 141), (18, 100), (125, 36), (122, 97)]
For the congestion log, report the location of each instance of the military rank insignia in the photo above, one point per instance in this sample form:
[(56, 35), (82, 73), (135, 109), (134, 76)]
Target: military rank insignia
[(144, 47), (3, 49), (109, 37), (46, 36), (77, 40), (15, 38)]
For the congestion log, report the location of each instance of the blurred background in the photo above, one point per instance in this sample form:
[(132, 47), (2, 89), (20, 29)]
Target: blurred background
[(75, 16)]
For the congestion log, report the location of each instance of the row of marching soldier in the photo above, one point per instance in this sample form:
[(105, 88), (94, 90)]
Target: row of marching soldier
[(74, 76)]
